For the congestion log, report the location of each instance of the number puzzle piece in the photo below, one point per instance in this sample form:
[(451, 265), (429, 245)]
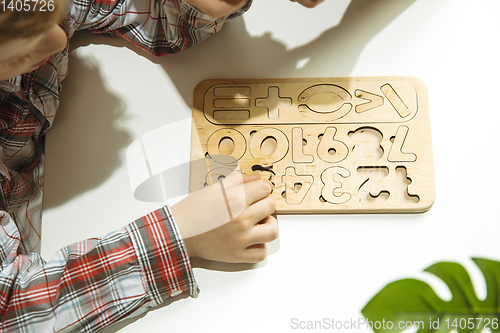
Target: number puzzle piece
[(325, 102), (335, 189), (373, 189), (218, 137), (331, 150), (402, 183), (396, 153), (296, 186), (298, 142), (401, 96), (374, 101), (273, 102), (260, 136)]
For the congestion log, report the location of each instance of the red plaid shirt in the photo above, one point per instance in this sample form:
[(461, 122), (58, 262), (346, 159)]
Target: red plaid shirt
[(94, 283)]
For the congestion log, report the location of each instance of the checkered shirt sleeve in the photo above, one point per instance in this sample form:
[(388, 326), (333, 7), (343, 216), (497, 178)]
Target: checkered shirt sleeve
[(90, 285), (160, 27), (94, 283)]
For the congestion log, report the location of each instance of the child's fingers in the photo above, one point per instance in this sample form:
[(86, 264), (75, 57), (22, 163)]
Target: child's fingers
[(238, 195), (236, 179), (257, 190), (241, 196), (249, 178), (217, 8), (266, 231), (260, 210), (255, 253)]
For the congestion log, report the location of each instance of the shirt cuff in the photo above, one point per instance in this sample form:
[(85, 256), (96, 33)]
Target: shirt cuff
[(162, 255)]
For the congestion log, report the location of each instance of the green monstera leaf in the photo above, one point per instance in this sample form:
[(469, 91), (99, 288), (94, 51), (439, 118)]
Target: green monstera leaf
[(411, 302)]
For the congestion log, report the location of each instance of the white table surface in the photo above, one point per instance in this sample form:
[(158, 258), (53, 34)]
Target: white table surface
[(325, 266)]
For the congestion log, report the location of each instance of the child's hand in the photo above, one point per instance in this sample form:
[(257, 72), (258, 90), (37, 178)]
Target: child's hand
[(308, 3), (217, 8), (204, 220), (221, 8)]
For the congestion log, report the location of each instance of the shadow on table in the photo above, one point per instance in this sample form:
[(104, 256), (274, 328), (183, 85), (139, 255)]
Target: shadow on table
[(231, 53), (93, 140), (85, 144), (94, 128)]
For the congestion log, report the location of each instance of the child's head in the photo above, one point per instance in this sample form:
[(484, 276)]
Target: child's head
[(29, 37)]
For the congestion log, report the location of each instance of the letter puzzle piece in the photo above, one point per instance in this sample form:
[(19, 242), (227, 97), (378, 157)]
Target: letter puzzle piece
[(329, 145)]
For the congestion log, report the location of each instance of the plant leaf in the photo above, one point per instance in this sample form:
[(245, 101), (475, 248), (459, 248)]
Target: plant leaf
[(410, 301)]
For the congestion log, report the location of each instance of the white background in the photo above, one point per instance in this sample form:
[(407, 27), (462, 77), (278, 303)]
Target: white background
[(321, 266)]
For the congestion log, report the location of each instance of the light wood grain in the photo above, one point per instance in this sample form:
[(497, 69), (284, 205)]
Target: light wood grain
[(341, 145)]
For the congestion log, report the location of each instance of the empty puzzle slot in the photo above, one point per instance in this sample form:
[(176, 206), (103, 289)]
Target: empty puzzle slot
[(226, 146), (367, 146), (268, 145), (265, 172), (259, 168)]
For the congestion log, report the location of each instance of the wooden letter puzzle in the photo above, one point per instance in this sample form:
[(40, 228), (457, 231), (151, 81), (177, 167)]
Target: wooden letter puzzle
[(334, 145)]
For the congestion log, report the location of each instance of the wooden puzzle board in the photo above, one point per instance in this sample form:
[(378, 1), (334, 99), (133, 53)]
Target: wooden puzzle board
[(336, 145)]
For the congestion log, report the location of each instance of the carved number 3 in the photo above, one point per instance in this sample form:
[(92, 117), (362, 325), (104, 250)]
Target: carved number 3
[(334, 191)]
